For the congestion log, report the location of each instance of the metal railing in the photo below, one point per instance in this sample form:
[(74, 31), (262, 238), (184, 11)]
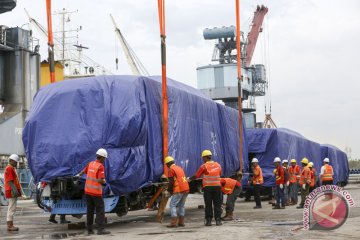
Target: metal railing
[(354, 178)]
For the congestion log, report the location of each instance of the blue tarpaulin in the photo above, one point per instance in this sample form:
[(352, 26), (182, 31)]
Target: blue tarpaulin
[(70, 120), (339, 162), (266, 144)]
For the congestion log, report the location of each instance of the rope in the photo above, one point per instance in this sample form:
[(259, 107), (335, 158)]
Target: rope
[(237, 3), (161, 9)]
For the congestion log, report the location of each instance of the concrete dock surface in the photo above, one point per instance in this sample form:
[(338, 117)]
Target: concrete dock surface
[(249, 223)]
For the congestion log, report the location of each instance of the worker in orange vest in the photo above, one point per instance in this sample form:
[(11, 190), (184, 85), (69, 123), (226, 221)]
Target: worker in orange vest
[(211, 172), (305, 180), (12, 190), (285, 165), (326, 173), (179, 188), (294, 177), (257, 181), (232, 189), (313, 176), (95, 178), (279, 180)]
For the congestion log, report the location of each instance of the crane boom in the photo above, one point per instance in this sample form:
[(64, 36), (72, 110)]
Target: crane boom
[(136, 66), (253, 35), (58, 45)]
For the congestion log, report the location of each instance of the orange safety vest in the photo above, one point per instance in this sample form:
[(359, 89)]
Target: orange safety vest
[(292, 174), (305, 176), (211, 176), (92, 186), (313, 177), (257, 177), (181, 185), (279, 175), (328, 173), (229, 186), (7, 186)]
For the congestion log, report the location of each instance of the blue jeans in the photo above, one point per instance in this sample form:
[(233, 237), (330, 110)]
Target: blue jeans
[(286, 193), (294, 192), (178, 201), (280, 198)]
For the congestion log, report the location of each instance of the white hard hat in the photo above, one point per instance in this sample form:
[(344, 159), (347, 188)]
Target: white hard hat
[(285, 161), (254, 160), (102, 152), (326, 160), (14, 157), (277, 159)]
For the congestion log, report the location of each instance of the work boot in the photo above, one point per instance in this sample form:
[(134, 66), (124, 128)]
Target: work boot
[(276, 207), (228, 217), (208, 222), (103, 232), (11, 227), (173, 222), (63, 220), (300, 206), (181, 222), (282, 206), (90, 231), (52, 219), (218, 222), (256, 207)]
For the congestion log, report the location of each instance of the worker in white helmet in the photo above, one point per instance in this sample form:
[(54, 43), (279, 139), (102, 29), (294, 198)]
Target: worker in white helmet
[(285, 164), (326, 173), (257, 181), (279, 181), (95, 179), (12, 190)]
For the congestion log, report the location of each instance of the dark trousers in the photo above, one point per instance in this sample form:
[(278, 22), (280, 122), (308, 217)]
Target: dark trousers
[(212, 196), (280, 197), (230, 201), (304, 193), (95, 203), (257, 194), (327, 182)]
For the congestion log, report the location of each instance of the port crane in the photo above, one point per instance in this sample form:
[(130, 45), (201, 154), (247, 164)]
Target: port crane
[(134, 62)]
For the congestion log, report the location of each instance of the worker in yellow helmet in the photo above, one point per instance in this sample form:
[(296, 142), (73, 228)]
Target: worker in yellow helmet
[(211, 172), (305, 181), (294, 177), (179, 188)]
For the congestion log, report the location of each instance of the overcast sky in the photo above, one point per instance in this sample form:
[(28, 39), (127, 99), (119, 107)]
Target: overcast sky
[(313, 46)]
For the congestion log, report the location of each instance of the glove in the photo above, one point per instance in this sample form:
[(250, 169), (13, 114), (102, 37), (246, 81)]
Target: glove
[(304, 186), (287, 183), (166, 193), (281, 186)]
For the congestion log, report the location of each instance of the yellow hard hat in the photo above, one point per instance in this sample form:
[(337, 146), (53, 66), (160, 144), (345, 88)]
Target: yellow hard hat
[(168, 159), (293, 161), (310, 164), (305, 161), (206, 153)]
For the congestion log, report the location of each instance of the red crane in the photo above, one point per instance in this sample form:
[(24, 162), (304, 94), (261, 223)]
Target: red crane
[(253, 35)]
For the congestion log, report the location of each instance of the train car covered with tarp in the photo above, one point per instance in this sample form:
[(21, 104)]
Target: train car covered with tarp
[(70, 120), (266, 144)]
